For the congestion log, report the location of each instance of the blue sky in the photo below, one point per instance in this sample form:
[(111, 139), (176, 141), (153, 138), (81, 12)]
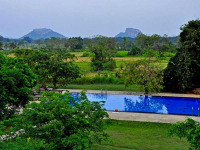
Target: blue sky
[(91, 17)]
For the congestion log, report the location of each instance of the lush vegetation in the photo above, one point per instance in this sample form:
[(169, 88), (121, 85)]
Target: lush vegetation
[(122, 135), (145, 73), (16, 82), (188, 129), (61, 122), (183, 71), (103, 49)]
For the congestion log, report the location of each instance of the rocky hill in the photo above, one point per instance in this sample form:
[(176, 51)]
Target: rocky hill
[(43, 33), (130, 32)]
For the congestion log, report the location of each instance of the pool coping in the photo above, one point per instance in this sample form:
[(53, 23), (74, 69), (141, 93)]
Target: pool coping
[(134, 93)]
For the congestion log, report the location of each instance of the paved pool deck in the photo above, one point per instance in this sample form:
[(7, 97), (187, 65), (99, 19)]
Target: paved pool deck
[(144, 117), (148, 117)]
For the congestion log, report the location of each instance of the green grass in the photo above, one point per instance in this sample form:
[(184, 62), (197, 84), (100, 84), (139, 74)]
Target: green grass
[(85, 66), (126, 135), (121, 54), (109, 87)]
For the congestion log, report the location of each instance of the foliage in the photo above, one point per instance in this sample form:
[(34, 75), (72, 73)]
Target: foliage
[(1, 44), (135, 51), (23, 52), (98, 80), (2, 128), (104, 50), (183, 71), (16, 82), (53, 66), (188, 129), (121, 54), (86, 54), (125, 45), (53, 43), (74, 43), (23, 144), (63, 122), (12, 45), (156, 42), (177, 75), (145, 73)]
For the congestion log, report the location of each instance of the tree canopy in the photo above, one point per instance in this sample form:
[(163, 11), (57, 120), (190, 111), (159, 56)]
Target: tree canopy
[(183, 71), (63, 121), (16, 82), (104, 50), (53, 66)]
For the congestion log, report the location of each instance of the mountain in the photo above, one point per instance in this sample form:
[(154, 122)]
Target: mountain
[(130, 32), (43, 33), (7, 39)]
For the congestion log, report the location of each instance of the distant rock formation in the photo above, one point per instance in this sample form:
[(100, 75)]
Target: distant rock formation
[(43, 33), (130, 32)]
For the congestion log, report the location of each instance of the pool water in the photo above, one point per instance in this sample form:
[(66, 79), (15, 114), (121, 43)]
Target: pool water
[(148, 104)]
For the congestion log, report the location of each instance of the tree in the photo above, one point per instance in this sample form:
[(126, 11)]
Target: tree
[(1, 44), (51, 67), (63, 121), (74, 43), (145, 73), (13, 45), (188, 129), (16, 82), (183, 71), (125, 44), (104, 50), (177, 75), (155, 42), (135, 51)]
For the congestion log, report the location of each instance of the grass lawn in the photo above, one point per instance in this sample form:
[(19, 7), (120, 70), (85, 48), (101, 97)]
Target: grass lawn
[(109, 87), (126, 135)]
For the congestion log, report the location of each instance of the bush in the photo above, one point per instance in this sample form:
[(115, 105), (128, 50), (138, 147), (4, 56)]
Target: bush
[(135, 51), (110, 65), (168, 54), (86, 54), (98, 80), (63, 122), (121, 54), (190, 130)]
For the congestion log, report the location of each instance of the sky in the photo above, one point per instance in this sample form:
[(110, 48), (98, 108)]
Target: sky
[(87, 18)]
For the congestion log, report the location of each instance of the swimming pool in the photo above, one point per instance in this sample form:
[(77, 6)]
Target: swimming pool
[(148, 104)]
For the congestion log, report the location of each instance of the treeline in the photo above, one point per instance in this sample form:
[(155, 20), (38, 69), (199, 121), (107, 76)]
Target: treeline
[(135, 46)]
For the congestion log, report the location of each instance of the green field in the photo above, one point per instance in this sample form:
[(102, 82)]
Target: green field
[(126, 135), (121, 57), (109, 87)]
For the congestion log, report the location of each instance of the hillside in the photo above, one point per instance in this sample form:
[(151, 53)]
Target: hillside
[(43, 33), (129, 32)]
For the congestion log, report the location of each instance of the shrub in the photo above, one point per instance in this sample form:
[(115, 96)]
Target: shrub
[(110, 65), (63, 122), (121, 54), (188, 129), (98, 80), (86, 54), (135, 51)]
